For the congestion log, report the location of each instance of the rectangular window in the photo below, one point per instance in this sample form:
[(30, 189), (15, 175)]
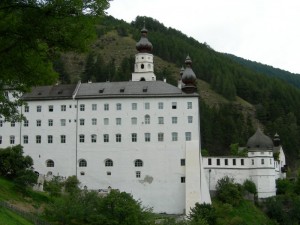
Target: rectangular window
[(188, 136), (174, 120), (160, 120), (26, 123), (252, 161), (106, 121), (209, 161), (137, 174), (226, 162), (270, 161), (63, 108), (190, 119), (12, 124), (242, 162), (182, 162), (160, 105), (26, 109), (118, 121), (0, 139), (134, 121), (182, 179), (82, 107), (174, 105), (94, 107), (105, 138), (81, 138), (174, 136), (134, 106), (62, 139), (119, 106), (25, 139), (106, 107), (81, 122), (50, 107), (134, 137), (118, 138), (50, 139), (218, 162), (38, 139), (147, 137), (189, 105), (1, 123), (234, 162), (12, 139), (39, 108), (160, 136), (38, 123), (262, 161), (62, 122), (147, 105), (93, 138), (94, 121), (50, 122)]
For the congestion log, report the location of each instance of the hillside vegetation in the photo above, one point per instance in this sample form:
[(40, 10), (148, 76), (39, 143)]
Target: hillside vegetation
[(234, 97)]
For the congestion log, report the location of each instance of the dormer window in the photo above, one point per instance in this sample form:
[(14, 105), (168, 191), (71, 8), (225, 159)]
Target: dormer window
[(101, 90), (145, 89), (60, 92), (122, 90)]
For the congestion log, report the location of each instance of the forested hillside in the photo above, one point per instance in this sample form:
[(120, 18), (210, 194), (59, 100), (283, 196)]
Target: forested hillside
[(273, 102)]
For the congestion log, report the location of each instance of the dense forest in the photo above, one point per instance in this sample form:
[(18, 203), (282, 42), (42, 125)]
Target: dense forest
[(276, 100)]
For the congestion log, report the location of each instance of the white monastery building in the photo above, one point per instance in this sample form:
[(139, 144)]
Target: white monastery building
[(140, 136)]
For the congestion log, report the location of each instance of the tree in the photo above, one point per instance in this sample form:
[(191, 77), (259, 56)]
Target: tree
[(32, 33), (71, 185), (54, 186), (204, 213)]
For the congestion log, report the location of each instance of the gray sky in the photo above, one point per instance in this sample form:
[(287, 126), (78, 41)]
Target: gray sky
[(266, 31)]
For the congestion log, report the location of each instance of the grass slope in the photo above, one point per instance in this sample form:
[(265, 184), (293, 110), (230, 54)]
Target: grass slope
[(8, 217)]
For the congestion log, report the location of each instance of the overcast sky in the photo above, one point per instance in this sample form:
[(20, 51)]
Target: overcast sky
[(266, 31)]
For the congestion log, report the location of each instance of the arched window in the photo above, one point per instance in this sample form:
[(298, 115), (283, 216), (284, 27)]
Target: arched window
[(109, 163), (50, 163), (138, 163), (82, 163), (147, 119), (142, 66)]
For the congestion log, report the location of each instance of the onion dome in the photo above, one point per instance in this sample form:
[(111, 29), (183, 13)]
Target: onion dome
[(260, 141), (276, 140), (144, 45), (188, 76)]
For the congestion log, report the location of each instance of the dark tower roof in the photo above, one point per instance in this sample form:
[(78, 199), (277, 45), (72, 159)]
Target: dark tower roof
[(144, 45), (188, 77), (276, 140), (260, 141)]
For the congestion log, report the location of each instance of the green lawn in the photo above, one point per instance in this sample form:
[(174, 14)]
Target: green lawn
[(8, 217)]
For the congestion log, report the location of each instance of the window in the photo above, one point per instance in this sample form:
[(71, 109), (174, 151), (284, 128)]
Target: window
[(26, 109), (50, 107), (106, 121), (39, 108), (189, 105), (62, 122), (63, 139), (63, 108), (118, 138), (147, 137), (134, 121), (134, 106), (262, 161), (12, 123), (182, 179), (190, 119), (94, 107), (160, 120), (242, 162), (12, 139), (119, 106), (209, 161), (82, 107), (93, 138), (174, 136), (82, 163), (226, 162), (147, 119), (160, 136), (106, 107), (25, 139), (252, 161), (218, 162), (1, 123), (160, 105), (174, 105), (182, 162), (270, 161), (50, 122), (118, 121), (234, 162), (137, 174), (94, 121), (138, 163), (188, 136), (174, 120), (108, 173), (105, 138), (0, 139), (50, 163), (134, 137), (81, 122), (147, 105), (81, 138), (26, 123), (38, 123), (38, 139), (109, 163), (50, 139)]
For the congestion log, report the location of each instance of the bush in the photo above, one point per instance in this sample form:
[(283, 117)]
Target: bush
[(229, 192), (202, 213)]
